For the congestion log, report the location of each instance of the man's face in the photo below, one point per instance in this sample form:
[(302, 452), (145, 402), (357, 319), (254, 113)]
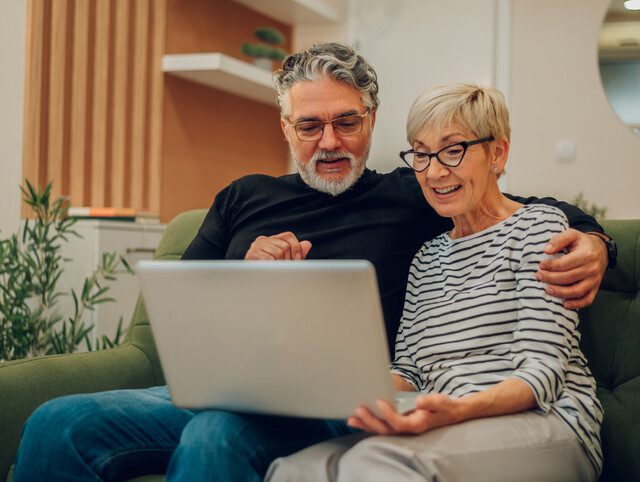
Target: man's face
[(331, 164)]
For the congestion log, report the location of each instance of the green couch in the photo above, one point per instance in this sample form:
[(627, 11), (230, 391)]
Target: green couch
[(610, 330)]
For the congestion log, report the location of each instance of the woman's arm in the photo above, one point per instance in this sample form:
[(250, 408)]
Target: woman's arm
[(432, 411), (400, 384)]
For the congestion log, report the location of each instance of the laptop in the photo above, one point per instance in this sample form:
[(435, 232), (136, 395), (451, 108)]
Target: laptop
[(294, 338)]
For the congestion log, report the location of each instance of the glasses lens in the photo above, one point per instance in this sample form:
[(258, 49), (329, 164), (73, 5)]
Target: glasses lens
[(349, 125), (419, 160), (309, 131), (452, 155)]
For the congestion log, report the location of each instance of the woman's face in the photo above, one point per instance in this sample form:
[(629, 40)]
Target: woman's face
[(456, 191)]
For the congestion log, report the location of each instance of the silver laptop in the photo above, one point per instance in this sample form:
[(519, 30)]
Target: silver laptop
[(297, 338)]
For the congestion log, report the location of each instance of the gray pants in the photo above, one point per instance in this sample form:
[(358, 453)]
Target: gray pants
[(522, 447)]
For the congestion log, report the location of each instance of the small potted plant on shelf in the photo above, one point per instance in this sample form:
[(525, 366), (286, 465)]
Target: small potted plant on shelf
[(268, 49)]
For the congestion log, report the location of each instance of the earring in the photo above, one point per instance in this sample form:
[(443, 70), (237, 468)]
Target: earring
[(495, 169)]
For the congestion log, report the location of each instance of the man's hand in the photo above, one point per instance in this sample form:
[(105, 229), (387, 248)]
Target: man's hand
[(432, 411), (279, 246), (576, 276)]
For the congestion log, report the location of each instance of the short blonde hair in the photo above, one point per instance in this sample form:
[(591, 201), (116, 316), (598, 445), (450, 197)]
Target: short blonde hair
[(482, 110)]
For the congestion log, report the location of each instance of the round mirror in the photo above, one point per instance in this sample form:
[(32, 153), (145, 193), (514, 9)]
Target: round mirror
[(619, 57)]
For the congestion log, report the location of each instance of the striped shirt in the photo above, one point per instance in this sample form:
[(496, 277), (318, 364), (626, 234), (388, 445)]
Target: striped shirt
[(475, 314)]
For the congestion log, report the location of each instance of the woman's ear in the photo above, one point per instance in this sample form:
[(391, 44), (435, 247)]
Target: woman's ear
[(500, 154)]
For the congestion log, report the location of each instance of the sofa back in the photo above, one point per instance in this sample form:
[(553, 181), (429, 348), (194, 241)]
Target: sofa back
[(178, 235), (610, 330)]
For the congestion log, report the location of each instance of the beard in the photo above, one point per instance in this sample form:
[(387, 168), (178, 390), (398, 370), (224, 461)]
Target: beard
[(333, 187)]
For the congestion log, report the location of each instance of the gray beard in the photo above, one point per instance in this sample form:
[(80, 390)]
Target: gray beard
[(333, 187)]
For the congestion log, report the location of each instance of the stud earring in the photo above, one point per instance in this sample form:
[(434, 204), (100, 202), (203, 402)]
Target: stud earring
[(495, 169)]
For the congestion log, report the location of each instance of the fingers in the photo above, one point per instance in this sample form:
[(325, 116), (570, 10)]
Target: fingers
[(584, 250), (365, 419), (577, 303), (576, 276), (283, 246), (566, 277), (289, 244), (562, 241), (306, 247)]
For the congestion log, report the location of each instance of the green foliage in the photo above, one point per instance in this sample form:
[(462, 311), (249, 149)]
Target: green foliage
[(256, 50), (268, 48), (30, 267), (598, 212), (278, 53), (269, 35)]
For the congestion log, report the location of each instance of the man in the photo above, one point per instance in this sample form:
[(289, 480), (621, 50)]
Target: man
[(333, 208)]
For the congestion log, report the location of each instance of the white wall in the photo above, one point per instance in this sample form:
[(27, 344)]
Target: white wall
[(556, 93), (12, 44), (413, 45)]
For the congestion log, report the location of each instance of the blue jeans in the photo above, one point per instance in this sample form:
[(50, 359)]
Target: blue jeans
[(126, 433)]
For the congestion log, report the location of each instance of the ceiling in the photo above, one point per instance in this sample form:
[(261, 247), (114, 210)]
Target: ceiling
[(620, 34)]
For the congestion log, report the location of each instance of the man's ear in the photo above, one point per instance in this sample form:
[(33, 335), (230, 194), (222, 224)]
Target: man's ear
[(373, 118), (283, 126)]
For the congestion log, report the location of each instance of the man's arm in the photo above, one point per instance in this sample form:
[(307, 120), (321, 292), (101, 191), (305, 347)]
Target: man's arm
[(211, 241), (576, 276), (578, 219)]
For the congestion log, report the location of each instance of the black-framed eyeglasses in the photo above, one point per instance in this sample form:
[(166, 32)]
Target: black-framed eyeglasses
[(343, 126), (450, 156)]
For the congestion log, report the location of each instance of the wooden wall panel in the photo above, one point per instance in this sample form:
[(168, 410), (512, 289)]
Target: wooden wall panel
[(156, 101), (138, 114), (35, 80), (79, 99), (99, 112), (56, 128), (93, 70), (119, 102)]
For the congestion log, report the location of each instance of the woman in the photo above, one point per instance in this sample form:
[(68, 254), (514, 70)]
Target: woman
[(508, 395)]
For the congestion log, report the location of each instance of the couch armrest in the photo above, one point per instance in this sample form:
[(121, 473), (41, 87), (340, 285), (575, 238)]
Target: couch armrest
[(26, 384)]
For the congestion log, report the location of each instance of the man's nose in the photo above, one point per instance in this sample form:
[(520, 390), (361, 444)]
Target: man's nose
[(329, 140)]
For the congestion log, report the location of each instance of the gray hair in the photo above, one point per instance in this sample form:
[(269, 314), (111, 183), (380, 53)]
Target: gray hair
[(335, 60), (483, 110)]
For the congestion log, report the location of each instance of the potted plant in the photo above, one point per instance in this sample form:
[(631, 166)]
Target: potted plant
[(268, 49), (31, 323)]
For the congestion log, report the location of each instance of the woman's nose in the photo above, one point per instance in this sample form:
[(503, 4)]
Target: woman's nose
[(436, 169)]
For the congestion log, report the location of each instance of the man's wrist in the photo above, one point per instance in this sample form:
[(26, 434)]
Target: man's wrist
[(610, 246)]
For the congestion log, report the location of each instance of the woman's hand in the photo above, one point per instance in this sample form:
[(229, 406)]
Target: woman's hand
[(432, 411)]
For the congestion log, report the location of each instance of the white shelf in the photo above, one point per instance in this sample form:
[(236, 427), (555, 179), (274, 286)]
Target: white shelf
[(223, 72), (295, 12)]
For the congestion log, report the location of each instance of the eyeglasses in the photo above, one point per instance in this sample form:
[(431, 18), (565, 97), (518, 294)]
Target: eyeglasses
[(343, 126), (450, 156)]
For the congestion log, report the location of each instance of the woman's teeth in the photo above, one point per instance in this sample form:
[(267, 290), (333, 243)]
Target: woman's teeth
[(445, 190)]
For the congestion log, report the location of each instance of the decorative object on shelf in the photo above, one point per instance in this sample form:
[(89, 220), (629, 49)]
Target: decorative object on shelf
[(268, 50), (30, 267), (113, 214), (592, 209)]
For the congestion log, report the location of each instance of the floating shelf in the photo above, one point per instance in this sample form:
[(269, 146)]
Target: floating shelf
[(295, 12), (223, 72)]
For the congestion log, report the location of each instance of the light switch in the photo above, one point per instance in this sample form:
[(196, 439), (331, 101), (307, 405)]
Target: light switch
[(565, 150)]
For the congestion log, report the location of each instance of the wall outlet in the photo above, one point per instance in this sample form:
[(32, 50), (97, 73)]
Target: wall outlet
[(566, 150)]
